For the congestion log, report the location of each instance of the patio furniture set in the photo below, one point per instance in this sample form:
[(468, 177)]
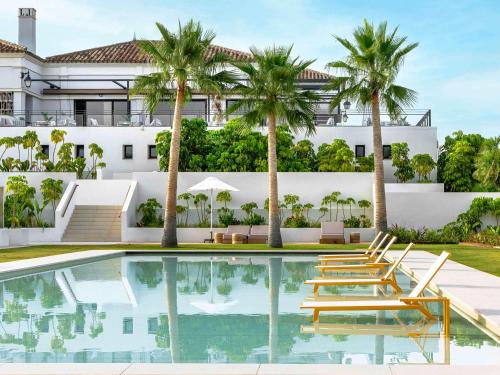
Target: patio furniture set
[(380, 274), (239, 234)]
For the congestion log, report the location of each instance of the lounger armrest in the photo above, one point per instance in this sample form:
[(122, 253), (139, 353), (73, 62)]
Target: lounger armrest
[(379, 264), (422, 299)]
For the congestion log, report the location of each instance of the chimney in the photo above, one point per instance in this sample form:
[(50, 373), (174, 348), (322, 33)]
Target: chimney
[(27, 28)]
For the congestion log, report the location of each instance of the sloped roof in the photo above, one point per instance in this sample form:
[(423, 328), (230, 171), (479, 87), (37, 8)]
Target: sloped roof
[(129, 52), (9, 47)]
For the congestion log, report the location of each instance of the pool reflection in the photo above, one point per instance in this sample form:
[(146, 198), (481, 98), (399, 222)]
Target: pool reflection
[(210, 309)]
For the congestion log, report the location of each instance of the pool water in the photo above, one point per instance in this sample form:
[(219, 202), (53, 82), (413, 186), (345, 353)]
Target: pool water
[(219, 309)]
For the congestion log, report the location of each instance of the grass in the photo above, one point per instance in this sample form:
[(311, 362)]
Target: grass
[(481, 258)]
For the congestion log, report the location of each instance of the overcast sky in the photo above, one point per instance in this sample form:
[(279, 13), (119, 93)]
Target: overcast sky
[(455, 69)]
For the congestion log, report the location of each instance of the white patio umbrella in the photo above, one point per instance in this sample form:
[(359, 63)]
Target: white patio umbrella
[(212, 306), (212, 184)]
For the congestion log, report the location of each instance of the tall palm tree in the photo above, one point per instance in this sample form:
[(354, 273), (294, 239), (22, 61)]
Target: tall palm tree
[(271, 93), (184, 62), (374, 61)]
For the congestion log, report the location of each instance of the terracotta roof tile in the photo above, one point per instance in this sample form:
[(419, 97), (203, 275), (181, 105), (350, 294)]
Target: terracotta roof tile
[(9, 47), (129, 52)]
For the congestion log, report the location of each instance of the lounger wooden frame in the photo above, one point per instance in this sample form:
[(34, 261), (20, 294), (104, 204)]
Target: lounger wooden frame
[(389, 278), (369, 254), (414, 301), (362, 265)]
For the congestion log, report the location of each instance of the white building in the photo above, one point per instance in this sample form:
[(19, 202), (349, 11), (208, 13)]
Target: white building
[(86, 93)]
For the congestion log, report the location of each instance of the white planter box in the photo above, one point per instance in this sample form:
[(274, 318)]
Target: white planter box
[(18, 237), (43, 235), (193, 235), (197, 235)]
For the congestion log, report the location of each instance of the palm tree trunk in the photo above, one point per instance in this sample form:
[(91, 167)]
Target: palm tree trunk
[(380, 206), (169, 238), (274, 219)]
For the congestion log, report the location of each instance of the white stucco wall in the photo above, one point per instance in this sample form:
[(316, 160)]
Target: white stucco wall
[(429, 209), (310, 187), (112, 139)]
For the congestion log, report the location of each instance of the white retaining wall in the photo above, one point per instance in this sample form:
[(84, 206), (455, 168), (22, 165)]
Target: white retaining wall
[(429, 209)]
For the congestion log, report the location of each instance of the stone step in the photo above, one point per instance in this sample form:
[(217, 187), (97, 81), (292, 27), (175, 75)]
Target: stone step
[(91, 223)]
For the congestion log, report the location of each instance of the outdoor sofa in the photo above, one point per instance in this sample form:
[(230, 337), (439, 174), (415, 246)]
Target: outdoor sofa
[(239, 232), (258, 234), (332, 232)]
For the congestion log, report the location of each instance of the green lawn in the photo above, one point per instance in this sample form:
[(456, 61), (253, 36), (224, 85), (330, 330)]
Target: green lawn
[(484, 259)]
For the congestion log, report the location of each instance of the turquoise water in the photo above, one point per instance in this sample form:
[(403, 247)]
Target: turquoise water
[(213, 309)]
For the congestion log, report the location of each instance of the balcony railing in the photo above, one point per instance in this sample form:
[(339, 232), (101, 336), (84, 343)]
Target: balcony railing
[(322, 118)]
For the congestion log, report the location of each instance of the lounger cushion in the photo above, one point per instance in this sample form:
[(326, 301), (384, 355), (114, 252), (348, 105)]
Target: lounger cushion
[(335, 227)]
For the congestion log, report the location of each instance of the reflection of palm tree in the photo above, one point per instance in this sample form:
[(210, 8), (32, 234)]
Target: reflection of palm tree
[(149, 273), (96, 326), (274, 291), (200, 284), (52, 295), (297, 272), (170, 277), (225, 272), (56, 342), (184, 276), (252, 271), (30, 338)]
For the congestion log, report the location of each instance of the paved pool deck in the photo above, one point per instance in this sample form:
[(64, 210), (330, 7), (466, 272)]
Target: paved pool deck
[(238, 369), (473, 292), (28, 266)]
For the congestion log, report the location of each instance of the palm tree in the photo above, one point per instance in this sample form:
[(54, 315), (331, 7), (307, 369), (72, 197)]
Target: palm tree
[(374, 60), (56, 137), (30, 141), (329, 199), (271, 93), (184, 62), (488, 163), (350, 201)]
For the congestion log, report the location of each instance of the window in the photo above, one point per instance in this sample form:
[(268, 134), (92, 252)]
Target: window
[(45, 150), (128, 152), (151, 151), (152, 326), (7, 103), (386, 151), (101, 112), (79, 151), (360, 151), (128, 326)]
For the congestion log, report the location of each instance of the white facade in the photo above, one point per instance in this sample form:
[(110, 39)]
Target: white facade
[(84, 93)]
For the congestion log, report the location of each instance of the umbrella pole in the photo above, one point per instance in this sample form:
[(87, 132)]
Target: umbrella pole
[(211, 214)]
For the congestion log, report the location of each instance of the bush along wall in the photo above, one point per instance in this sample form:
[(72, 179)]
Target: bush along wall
[(31, 158), (467, 227), (194, 211), (234, 149), (23, 210)]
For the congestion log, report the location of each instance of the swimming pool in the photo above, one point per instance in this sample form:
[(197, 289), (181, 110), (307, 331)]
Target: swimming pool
[(213, 309)]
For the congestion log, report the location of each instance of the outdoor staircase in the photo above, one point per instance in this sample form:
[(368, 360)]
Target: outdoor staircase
[(94, 224)]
